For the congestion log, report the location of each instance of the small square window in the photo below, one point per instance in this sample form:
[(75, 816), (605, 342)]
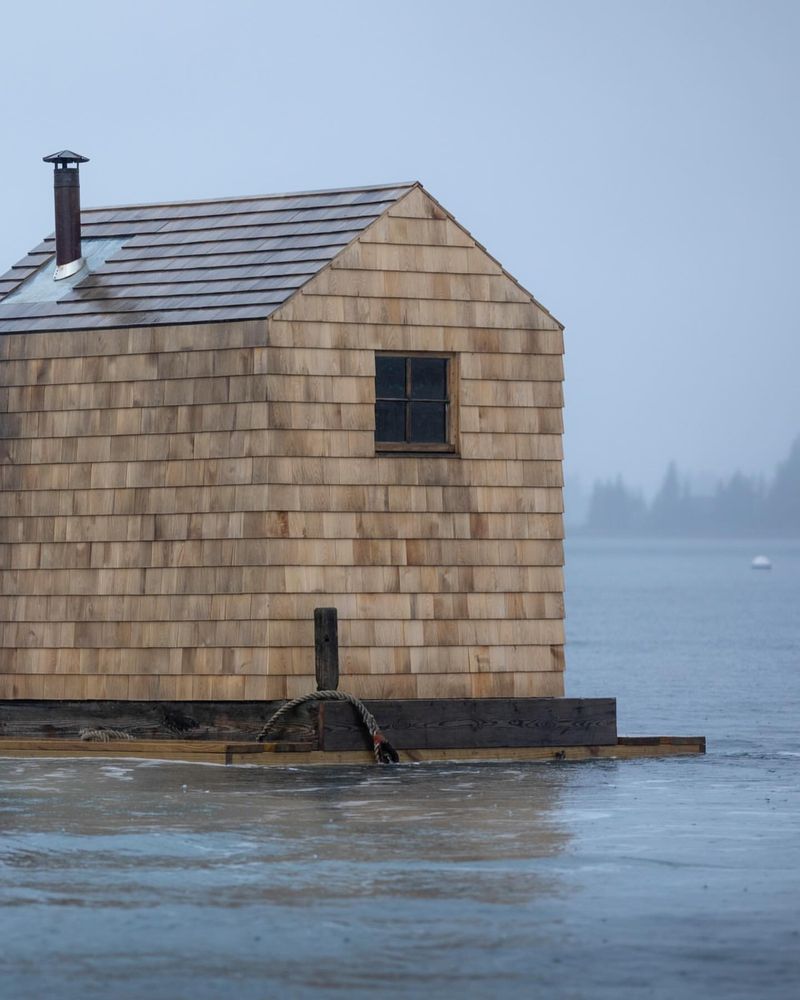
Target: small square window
[(412, 402)]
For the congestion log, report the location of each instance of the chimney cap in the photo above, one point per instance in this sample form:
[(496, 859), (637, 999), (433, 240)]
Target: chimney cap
[(64, 157)]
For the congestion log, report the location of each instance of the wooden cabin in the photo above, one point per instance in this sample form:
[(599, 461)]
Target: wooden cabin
[(229, 412)]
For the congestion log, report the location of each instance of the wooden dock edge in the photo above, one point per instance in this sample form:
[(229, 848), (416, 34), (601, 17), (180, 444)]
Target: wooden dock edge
[(284, 755)]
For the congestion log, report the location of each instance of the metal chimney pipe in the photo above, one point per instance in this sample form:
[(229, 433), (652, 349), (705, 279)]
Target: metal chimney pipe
[(67, 194)]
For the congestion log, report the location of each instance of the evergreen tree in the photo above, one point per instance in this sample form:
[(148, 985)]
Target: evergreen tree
[(740, 506), (614, 509), (665, 512), (737, 508)]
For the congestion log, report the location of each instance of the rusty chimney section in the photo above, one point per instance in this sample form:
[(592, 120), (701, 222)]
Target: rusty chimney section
[(67, 192)]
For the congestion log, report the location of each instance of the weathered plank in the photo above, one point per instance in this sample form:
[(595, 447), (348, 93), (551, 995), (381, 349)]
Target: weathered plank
[(287, 754), (326, 648), (198, 721), (435, 723), (480, 722)]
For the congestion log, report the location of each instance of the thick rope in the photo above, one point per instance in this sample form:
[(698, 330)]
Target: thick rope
[(384, 752), (103, 735), (170, 719)]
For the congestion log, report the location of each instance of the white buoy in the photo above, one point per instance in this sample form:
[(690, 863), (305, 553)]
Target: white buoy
[(761, 562)]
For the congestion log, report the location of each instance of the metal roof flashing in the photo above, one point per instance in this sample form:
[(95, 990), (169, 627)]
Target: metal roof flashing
[(40, 287)]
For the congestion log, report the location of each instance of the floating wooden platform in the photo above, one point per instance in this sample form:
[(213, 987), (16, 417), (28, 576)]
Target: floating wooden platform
[(505, 729), (287, 754)]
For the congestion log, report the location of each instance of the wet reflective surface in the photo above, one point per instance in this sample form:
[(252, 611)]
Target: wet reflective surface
[(655, 878)]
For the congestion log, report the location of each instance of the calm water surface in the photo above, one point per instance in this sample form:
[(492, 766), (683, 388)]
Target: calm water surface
[(603, 879)]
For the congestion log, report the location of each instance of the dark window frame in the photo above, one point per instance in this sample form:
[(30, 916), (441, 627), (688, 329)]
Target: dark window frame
[(407, 446)]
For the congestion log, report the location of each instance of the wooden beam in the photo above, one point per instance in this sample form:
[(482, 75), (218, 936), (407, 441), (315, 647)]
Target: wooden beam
[(288, 754), (476, 723), (411, 724), (198, 721)]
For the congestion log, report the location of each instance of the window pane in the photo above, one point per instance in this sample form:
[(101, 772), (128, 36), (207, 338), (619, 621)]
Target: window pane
[(428, 378), (390, 379), (428, 422), (390, 421)]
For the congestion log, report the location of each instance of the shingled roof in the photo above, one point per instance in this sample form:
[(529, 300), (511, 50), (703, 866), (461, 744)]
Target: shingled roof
[(189, 262)]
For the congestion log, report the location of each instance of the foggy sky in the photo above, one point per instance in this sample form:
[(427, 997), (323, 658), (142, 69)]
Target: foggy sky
[(634, 164)]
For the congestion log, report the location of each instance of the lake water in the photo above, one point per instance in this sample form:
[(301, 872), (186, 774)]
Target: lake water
[(606, 879)]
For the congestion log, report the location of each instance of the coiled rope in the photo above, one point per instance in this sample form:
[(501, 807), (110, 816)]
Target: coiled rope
[(103, 735), (384, 752)]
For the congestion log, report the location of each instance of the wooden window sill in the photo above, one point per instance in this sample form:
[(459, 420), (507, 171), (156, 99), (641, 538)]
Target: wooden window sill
[(402, 448)]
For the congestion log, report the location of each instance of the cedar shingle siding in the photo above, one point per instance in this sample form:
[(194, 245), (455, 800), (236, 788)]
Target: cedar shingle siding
[(189, 467)]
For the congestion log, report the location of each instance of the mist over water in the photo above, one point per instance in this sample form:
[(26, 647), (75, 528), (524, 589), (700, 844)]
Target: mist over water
[(736, 507), (652, 878)]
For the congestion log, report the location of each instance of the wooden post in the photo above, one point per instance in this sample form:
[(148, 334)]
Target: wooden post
[(326, 648)]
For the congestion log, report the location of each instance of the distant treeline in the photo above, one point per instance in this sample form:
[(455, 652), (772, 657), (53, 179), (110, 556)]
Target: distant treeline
[(741, 505)]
